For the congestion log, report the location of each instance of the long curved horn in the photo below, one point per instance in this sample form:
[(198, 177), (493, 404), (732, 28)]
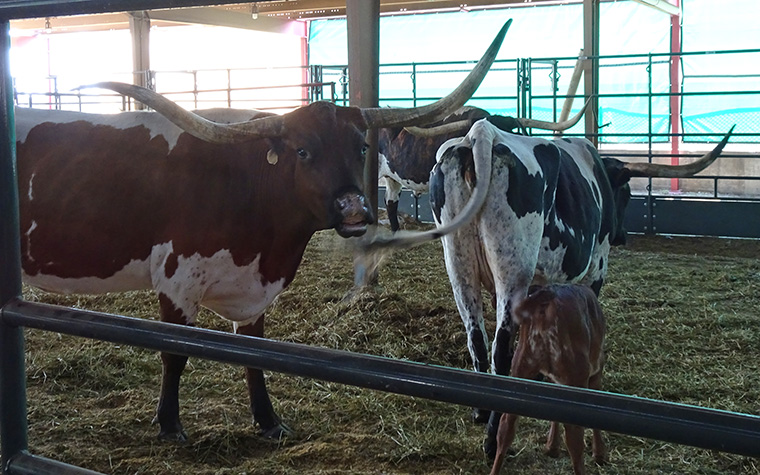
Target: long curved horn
[(427, 132), (555, 126), (678, 171), (194, 124), (378, 117), (464, 125)]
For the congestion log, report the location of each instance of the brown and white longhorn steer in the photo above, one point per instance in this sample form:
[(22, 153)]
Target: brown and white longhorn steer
[(561, 337), (212, 209)]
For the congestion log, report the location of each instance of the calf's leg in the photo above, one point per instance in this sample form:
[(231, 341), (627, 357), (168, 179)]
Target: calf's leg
[(552, 441), (598, 449), (261, 406), (526, 367), (575, 444), (504, 439)]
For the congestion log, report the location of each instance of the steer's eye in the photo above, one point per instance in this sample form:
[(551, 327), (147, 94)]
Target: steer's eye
[(365, 149), (302, 153)]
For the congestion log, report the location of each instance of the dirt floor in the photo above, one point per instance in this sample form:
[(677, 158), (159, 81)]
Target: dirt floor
[(683, 326)]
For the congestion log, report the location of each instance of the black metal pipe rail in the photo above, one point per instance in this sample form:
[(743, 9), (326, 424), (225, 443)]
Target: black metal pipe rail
[(671, 422), (25, 463)]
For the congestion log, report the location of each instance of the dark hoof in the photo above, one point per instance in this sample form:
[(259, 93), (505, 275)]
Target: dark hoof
[(278, 432), (175, 434), (180, 436), (552, 452), (480, 416), (489, 448)]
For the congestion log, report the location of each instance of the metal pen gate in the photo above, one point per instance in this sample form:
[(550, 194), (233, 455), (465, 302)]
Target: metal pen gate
[(683, 424)]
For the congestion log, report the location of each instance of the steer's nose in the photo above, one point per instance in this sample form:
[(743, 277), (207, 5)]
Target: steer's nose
[(354, 214)]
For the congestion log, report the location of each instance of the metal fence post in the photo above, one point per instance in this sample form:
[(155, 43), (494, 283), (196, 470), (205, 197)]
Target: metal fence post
[(13, 424)]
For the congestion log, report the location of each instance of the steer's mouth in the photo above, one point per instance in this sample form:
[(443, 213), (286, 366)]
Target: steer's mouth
[(354, 215), (352, 227)]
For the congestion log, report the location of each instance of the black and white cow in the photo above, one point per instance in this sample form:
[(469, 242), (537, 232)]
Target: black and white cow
[(407, 155), (514, 210)]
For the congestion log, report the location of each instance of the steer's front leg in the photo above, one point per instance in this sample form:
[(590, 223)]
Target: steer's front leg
[(261, 406), (167, 413)]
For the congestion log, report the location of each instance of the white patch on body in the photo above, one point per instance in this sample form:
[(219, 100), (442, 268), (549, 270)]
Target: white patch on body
[(393, 182), (236, 293)]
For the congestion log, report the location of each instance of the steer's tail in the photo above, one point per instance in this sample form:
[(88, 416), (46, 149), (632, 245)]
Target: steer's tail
[(480, 137)]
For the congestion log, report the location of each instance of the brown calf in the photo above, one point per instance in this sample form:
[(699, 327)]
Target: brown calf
[(561, 337)]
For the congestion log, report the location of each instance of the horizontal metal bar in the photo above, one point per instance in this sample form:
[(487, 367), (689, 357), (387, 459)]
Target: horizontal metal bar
[(16, 9), (678, 423), (25, 463)]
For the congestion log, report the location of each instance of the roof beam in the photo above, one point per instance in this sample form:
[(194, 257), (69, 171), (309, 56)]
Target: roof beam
[(661, 5), (229, 18)]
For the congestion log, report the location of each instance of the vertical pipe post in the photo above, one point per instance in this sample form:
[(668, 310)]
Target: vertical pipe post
[(675, 99), (13, 424), (650, 228)]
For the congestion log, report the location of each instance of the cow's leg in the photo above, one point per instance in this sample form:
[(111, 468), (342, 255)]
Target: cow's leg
[(392, 196), (511, 248), (261, 406), (462, 267), (598, 449), (167, 413)]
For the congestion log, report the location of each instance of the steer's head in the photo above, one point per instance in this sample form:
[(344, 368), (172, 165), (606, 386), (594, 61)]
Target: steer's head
[(619, 174), (328, 148)]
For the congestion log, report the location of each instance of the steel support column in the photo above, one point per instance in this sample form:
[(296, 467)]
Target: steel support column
[(139, 27), (363, 23), (13, 425), (591, 67)]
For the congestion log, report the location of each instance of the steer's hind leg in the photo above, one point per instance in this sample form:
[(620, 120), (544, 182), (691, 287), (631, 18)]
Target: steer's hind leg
[(261, 406), (461, 256), (392, 196), (167, 412)]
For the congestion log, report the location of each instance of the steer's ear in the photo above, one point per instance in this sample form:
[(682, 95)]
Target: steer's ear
[(616, 171)]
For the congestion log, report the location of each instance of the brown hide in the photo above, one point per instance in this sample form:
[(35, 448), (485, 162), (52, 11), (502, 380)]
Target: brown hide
[(103, 196), (561, 337)]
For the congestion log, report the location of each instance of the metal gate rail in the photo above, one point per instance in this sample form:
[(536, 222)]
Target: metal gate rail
[(671, 422)]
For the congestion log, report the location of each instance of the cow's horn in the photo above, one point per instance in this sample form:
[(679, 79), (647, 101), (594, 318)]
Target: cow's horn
[(555, 126), (678, 171), (270, 126), (389, 117), (451, 128)]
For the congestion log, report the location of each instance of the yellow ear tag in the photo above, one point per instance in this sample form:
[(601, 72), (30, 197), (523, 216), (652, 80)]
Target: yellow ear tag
[(272, 156)]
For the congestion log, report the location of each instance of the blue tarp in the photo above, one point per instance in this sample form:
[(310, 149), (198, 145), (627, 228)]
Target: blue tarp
[(556, 31)]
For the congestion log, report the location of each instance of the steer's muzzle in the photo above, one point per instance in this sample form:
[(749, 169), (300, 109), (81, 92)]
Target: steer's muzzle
[(353, 214)]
